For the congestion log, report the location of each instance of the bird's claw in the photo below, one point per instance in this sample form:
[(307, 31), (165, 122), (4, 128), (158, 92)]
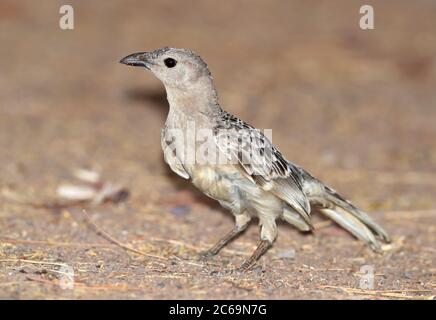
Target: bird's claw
[(206, 255), (242, 269)]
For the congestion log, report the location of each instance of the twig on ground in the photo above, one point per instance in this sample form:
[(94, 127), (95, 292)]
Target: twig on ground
[(195, 248), (384, 293), (78, 285), (108, 237), (35, 262), (54, 243)]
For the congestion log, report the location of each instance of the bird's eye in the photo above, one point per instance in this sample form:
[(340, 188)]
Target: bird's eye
[(170, 62)]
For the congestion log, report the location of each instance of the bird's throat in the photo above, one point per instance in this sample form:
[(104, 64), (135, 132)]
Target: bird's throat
[(193, 100)]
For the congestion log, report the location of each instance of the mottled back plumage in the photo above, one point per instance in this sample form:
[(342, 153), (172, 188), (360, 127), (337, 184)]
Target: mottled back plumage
[(268, 169)]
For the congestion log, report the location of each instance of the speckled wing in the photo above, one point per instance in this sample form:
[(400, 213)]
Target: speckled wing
[(261, 161)]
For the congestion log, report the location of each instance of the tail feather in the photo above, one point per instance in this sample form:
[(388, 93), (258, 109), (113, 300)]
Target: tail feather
[(337, 200), (354, 226), (295, 219)]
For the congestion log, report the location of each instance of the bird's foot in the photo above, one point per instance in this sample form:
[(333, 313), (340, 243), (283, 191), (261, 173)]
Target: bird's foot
[(227, 272), (244, 267), (207, 254)]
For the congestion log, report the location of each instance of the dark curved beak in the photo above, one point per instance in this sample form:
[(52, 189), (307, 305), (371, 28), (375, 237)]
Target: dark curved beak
[(138, 59)]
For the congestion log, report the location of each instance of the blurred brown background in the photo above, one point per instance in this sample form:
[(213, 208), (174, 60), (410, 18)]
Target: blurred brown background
[(356, 108)]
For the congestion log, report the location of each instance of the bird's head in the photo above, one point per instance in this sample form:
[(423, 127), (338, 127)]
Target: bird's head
[(176, 68)]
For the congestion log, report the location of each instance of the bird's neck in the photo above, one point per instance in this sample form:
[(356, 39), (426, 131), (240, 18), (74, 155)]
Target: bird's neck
[(198, 99)]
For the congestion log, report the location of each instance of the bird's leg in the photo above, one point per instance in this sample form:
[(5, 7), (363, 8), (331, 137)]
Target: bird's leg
[(263, 247), (221, 243), (242, 221), (267, 235)]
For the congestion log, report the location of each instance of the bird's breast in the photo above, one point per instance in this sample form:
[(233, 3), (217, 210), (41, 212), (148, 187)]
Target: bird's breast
[(215, 181)]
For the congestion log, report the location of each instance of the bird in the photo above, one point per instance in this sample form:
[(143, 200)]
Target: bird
[(267, 187)]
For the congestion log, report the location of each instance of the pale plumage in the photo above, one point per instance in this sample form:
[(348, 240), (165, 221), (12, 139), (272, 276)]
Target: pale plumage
[(268, 186)]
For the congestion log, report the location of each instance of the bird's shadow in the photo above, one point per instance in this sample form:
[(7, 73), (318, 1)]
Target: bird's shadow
[(154, 99), (157, 97)]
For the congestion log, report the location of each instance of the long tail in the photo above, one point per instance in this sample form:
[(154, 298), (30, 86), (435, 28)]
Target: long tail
[(353, 219)]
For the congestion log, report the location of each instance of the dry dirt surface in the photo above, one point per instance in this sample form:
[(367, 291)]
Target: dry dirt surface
[(355, 108)]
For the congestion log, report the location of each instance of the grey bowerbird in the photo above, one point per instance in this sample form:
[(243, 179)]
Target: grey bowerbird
[(267, 187)]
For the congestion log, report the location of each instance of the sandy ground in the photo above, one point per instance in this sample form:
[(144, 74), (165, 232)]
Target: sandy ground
[(355, 108)]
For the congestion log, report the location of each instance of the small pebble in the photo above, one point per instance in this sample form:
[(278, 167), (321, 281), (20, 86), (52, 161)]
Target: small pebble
[(181, 211), (286, 254)]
